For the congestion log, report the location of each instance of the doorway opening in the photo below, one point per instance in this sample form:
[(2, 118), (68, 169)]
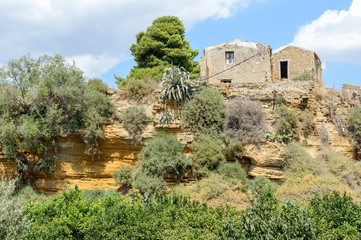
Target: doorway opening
[(284, 69)]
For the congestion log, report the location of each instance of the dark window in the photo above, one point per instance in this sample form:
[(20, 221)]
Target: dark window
[(229, 57), (226, 80), (284, 69)]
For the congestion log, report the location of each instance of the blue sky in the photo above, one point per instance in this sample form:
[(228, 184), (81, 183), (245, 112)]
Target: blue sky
[(97, 34)]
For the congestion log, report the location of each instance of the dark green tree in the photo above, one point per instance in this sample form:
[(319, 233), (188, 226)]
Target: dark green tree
[(162, 44)]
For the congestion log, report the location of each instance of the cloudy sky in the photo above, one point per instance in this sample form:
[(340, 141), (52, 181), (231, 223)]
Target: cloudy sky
[(96, 34)]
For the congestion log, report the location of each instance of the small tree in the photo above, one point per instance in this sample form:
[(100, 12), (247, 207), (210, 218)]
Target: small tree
[(245, 121), (204, 113), (134, 120), (287, 122)]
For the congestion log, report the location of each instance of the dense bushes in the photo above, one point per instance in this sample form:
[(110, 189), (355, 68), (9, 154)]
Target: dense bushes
[(138, 88), (245, 121), (134, 120), (354, 125), (207, 155), (307, 123), (161, 156), (287, 122), (75, 215), (13, 222), (204, 113), (45, 98)]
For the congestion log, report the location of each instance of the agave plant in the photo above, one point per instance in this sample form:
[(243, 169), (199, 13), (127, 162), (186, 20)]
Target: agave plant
[(177, 85)]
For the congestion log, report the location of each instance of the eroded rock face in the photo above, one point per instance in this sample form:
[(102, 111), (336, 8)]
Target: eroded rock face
[(74, 167)]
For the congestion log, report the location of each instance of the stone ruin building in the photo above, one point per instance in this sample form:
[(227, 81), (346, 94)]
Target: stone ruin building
[(240, 61)]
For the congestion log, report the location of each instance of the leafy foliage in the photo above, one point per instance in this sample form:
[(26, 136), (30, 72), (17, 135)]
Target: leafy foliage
[(354, 125), (162, 44), (298, 162), (287, 122), (13, 222), (233, 170), (97, 84), (161, 156), (207, 155), (134, 120), (306, 75), (245, 121), (42, 99), (268, 219), (336, 216), (124, 176), (139, 88), (308, 124), (204, 113)]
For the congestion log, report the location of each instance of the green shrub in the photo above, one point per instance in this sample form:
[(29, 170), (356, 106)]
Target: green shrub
[(27, 193), (233, 171), (354, 125), (245, 121), (13, 221), (204, 113), (63, 217), (336, 215), (97, 193), (268, 219), (260, 183), (306, 75), (207, 155), (348, 170), (124, 176), (307, 123), (134, 120), (97, 84), (297, 162), (43, 99), (233, 150), (161, 156), (287, 122), (138, 88)]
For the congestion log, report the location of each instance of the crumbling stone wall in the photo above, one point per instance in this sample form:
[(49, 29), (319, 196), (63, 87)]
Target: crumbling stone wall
[(298, 60), (256, 69)]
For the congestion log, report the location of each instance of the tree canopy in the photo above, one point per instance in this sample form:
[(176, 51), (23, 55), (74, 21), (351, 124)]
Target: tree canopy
[(162, 44), (45, 98)]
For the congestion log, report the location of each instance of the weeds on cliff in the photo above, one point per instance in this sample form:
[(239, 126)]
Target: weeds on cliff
[(298, 162), (287, 122), (139, 88), (306, 75), (204, 113), (354, 126), (308, 124), (207, 155), (324, 135), (134, 120), (245, 121), (347, 170)]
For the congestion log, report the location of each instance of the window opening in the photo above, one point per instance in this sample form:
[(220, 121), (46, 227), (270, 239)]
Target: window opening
[(226, 80), (229, 57)]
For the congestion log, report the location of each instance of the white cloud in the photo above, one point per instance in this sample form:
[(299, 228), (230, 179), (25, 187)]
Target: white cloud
[(96, 33), (335, 35)]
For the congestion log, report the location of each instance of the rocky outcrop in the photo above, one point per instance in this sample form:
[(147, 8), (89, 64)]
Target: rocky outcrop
[(74, 167)]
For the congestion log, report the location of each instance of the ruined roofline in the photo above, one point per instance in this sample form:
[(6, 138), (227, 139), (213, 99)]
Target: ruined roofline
[(291, 46), (237, 42)]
